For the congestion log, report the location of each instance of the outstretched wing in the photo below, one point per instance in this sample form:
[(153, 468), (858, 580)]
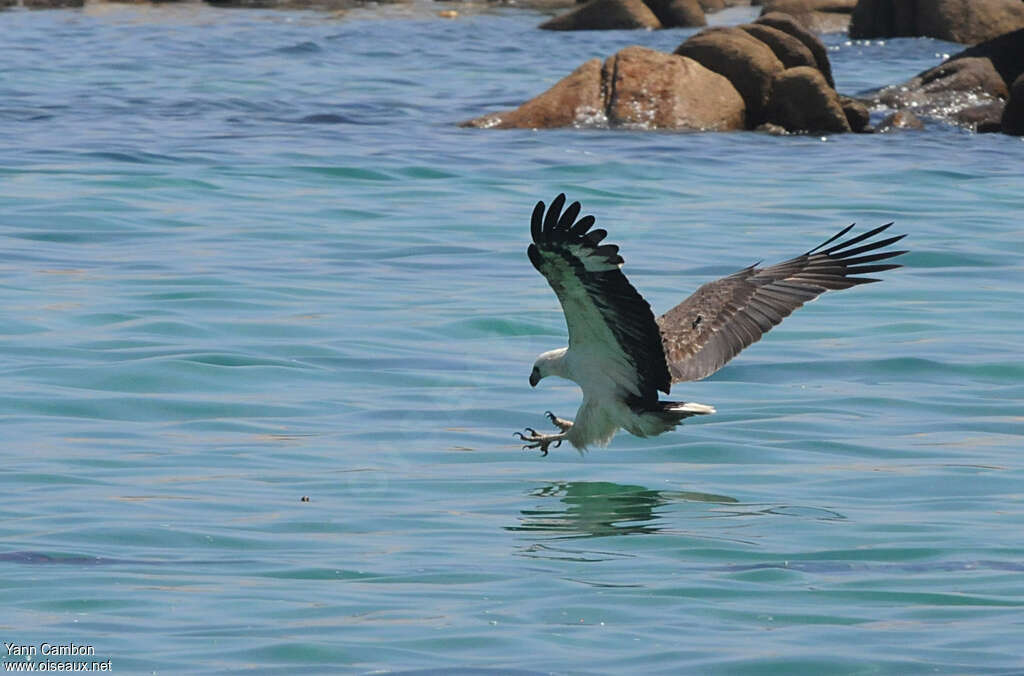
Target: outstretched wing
[(722, 317), (608, 321)]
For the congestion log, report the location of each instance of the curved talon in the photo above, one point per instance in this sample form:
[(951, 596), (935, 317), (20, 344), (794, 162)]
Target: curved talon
[(535, 440)]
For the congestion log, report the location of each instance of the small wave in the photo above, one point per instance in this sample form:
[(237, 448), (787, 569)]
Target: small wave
[(305, 47), (326, 118)]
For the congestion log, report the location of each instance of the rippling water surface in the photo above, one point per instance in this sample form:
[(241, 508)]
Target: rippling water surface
[(248, 257)]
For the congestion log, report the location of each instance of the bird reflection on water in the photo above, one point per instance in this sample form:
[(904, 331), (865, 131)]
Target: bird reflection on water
[(590, 509), (601, 508)]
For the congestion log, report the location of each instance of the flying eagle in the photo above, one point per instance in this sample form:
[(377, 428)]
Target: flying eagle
[(621, 356)]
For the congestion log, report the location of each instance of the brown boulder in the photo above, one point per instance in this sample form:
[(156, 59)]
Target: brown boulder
[(820, 16), (966, 21), (1013, 114), (788, 24), (604, 15), (637, 87), (712, 5), (1006, 53), (652, 89), (968, 75), (575, 99), (749, 64), (791, 52), (678, 13), (802, 101), (857, 114), (973, 75)]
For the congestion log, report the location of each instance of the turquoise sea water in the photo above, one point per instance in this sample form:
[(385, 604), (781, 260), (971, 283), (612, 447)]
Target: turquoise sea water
[(248, 257)]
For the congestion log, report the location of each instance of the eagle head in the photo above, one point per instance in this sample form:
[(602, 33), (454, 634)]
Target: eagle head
[(551, 363)]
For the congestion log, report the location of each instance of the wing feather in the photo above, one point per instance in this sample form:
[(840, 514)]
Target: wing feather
[(723, 317), (604, 313)]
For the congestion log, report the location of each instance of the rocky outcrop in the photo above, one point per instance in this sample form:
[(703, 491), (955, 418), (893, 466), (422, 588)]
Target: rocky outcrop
[(802, 100), (636, 87), (788, 24), (605, 15), (772, 75), (718, 79), (1013, 113), (820, 16), (969, 89), (629, 14), (749, 64), (965, 21)]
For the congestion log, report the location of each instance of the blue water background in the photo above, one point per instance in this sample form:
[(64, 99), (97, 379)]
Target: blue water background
[(247, 256)]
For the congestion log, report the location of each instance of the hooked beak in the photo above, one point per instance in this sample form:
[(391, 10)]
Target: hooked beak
[(534, 378)]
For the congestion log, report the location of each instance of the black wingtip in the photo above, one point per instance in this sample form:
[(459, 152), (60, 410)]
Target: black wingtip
[(832, 238), (841, 251), (853, 257), (582, 226), (845, 245), (554, 211), (569, 215), (557, 221), (537, 222)]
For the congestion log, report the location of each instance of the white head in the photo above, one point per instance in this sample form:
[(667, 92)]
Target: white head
[(551, 363)]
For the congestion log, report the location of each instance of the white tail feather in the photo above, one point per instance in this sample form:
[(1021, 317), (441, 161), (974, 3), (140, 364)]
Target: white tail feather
[(694, 408)]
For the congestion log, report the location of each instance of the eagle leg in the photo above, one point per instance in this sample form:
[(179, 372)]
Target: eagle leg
[(560, 423), (541, 441)]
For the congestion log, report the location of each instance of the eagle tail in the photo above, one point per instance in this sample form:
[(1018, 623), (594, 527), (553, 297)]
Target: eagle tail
[(663, 416)]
